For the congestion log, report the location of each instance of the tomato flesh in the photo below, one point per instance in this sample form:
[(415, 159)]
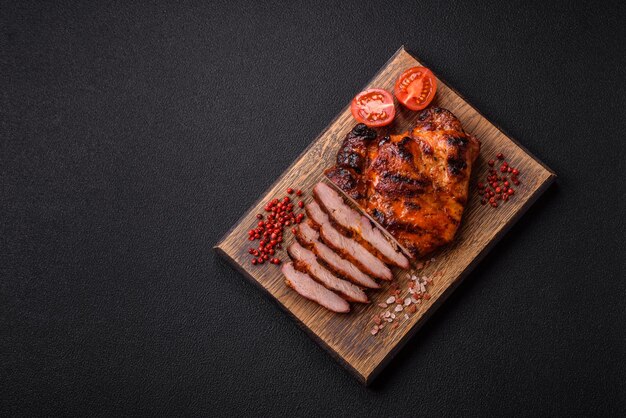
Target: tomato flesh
[(416, 88), (373, 107)]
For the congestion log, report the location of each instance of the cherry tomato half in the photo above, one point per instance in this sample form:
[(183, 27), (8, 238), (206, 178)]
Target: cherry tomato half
[(416, 88), (373, 107)]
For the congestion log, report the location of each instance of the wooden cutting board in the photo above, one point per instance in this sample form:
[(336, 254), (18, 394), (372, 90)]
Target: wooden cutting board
[(347, 337)]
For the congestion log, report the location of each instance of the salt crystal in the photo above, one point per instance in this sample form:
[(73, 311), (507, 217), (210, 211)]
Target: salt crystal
[(390, 300), (407, 301), (382, 305), (398, 308), (406, 316)]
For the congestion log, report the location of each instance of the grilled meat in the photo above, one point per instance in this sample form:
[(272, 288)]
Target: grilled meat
[(310, 289), (306, 261), (414, 184), (310, 238), (347, 247), (357, 224)]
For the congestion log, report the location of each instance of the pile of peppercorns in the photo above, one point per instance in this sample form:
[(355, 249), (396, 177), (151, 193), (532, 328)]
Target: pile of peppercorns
[(498, 187), (269, 229)]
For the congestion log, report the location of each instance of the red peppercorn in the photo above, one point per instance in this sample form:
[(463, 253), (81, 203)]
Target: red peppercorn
[(254, 261), (482, 202), (299, 192), (260, 260), (491, 163), (515, 171), (506, 184), (500, 156), (301, 204), (511, 192), (494, 204), (498, 190)]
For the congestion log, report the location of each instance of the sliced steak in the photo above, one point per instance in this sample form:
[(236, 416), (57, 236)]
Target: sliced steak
[(310, 289), (354, 252), (346, 217), (345, 246), (305, 260), (316, 214), (309, 238)]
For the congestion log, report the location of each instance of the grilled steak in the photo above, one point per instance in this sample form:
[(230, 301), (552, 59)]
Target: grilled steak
[(347, 247), (359, 225), (354, 252), (414, 184), (305, 260), (310, 289), (309, 238)]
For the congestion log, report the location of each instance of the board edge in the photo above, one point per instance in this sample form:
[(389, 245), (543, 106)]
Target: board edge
[(502, 131), (352, 371), (547, 182), (305, 151)]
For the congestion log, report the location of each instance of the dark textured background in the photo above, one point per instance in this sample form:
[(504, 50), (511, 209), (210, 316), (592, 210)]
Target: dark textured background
[(133, 136)]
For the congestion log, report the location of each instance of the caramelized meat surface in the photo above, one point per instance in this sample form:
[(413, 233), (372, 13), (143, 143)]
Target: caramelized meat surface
[(414, 184)]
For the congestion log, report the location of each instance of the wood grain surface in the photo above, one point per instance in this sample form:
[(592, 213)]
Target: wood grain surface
[(347, 336)]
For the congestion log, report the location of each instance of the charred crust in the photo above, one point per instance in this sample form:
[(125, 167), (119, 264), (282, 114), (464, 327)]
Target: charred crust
[(457, 141), (347, 157), (403, 149), (412, 205), (361, 130), (399, 178), (379, 216), (456, 165)]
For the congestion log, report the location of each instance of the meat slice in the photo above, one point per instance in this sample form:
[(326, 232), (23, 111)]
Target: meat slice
[(310, 289), (308, 237), (345, 246), (354, 252), (316, 214), (305, 260), (346, 217)]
